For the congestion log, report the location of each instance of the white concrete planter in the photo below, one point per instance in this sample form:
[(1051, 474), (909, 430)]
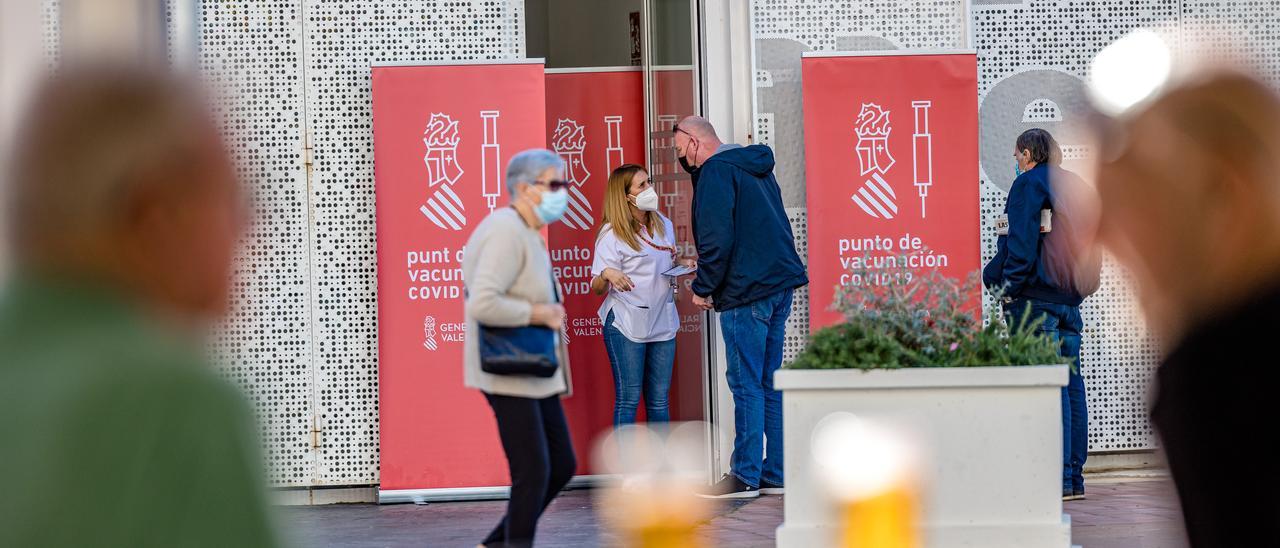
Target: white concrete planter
[(992, 438)]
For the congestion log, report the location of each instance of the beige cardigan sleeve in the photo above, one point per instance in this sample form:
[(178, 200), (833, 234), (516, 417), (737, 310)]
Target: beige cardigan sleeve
[(499, 260)]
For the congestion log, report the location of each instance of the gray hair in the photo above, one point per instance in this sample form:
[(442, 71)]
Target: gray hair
[(698, 126), (526, 166)]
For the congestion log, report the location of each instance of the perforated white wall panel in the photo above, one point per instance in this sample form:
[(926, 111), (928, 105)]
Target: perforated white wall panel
[(50, 26), (303, 335), (798, 321), (342, 40), (1239, 30), (252, 53)]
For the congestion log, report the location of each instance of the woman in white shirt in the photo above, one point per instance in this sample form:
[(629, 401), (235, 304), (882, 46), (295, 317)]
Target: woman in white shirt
[(635, 246)]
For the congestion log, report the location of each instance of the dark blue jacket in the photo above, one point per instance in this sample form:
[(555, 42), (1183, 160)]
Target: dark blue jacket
[(1018, 264), (745, 248)]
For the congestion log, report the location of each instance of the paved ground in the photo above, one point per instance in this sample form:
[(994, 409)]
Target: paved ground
[(1117, 514), (1127, 514)]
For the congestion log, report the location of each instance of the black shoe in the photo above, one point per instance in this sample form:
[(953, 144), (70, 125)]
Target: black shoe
[(1069, 495), (1077, 495), (730, 487), (770, 488)]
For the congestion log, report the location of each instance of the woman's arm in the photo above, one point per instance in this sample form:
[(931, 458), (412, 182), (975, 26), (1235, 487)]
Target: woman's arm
[(599, 285), (611, 277), (606, 266)]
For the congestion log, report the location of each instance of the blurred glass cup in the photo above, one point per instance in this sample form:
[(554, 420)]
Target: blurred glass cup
[(649, 500), (872, 473)]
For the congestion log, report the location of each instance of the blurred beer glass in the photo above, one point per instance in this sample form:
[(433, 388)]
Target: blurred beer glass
[(872, 473), (649, 500)]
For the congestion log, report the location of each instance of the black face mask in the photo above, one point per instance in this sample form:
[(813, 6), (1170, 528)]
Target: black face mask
[(690, 169)]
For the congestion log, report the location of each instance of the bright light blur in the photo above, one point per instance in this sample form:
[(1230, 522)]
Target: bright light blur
[(649, 499), (637, 450), (872, 473), (1129, 71), (859, 459)]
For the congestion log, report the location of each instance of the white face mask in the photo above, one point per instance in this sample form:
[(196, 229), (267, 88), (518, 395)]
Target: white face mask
[(647, 200)]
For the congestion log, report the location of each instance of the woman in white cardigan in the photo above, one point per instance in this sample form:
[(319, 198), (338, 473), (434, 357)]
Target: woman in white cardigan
[(509, 281)]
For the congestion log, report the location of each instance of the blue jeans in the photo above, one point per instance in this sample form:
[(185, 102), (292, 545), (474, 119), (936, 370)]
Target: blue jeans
[(639, 367), (1063, 324), (753, 335)]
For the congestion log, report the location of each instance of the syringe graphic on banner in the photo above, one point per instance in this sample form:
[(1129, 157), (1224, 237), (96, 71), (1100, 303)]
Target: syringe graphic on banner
[(490, 160), (444, 207), (569, 141), (875, 197), (922, 150), (429, 333), (613, 154), (669, 168)]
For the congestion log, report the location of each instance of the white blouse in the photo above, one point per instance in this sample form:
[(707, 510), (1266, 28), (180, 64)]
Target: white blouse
[(647, 313)]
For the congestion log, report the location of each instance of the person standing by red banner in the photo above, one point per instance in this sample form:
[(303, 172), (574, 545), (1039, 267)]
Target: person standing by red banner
[(1040, 282), (636, 246), (509, 283), (748, 269)]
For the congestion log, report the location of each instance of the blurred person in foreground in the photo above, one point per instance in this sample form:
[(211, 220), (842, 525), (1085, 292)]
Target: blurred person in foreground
[(510, 283), (1191, 204), (748, 270), (124, 212), (1043, 276)]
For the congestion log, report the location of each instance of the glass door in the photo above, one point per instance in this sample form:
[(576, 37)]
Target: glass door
[(671, 92), (620, 74)]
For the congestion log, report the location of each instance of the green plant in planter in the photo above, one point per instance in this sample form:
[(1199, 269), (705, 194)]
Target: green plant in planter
[(909, 320)]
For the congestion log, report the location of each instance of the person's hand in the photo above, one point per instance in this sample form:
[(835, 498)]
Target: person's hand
[(689, 262), (617, 279), (547, 315), (703, 302)]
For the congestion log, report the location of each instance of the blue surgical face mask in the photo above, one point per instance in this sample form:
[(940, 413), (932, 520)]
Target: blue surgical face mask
[(552, 206), (1017, 169)]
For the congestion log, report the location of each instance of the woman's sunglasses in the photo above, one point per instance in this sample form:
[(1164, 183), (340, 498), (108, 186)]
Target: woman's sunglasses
[(554, 184)]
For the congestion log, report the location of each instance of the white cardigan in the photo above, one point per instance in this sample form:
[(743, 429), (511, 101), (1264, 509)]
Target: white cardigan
[(507, 269)]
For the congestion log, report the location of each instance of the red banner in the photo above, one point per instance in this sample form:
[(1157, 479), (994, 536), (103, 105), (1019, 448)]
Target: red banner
[(891, 166), (595, 122), (442, 138)]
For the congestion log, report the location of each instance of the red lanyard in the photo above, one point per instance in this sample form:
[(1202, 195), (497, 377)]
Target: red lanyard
[(668, 249)]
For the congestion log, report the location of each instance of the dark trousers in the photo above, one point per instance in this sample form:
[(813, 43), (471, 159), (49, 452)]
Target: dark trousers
[(540, 457)]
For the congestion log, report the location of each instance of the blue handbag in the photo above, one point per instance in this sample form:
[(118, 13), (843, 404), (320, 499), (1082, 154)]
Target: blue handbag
[(528, 350)]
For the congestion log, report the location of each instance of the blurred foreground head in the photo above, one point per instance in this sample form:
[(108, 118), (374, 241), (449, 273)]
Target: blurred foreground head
[(120, 178), (1191, 199)]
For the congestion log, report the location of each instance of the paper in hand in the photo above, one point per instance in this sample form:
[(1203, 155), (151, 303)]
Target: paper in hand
[(680, 270)]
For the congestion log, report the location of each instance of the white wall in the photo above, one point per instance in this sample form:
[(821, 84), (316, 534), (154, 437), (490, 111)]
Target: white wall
[(22, 63)]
